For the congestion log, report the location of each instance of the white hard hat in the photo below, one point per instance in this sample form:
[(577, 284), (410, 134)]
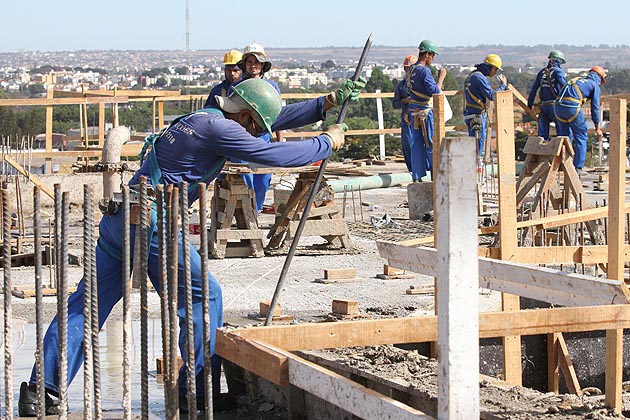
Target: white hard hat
[(257, 50)]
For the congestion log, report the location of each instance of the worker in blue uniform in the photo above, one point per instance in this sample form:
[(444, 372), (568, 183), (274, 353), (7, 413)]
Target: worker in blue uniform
[(254, 64), (232, 74), (477, 94), (401, 101), (569, 114), (422, 86), (193, 149), (549, 81)]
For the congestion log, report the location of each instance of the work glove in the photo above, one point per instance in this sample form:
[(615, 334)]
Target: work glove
[(349, 89), (337, 135)]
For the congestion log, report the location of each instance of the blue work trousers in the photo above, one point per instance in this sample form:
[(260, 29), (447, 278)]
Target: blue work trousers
[(421, 146), (545, 118), (576, 127), (405, 136), (109, 279)]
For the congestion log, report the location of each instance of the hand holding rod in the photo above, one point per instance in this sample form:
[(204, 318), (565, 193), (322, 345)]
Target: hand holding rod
[(313, 192)]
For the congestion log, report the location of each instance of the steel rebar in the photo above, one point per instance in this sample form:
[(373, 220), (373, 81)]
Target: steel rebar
[(62, 307), (88, 368), (162, 262), (205, 298), (39, 302), (8, 318), (144, 300), (126, 296), (172, 296)]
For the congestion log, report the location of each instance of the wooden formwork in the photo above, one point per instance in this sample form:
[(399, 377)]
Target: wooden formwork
[(591, 303)]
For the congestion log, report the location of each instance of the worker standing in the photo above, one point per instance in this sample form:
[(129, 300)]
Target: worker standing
[(477, 94), (401, 101), (422, 86), (549, 81), (232, 73), (254, 64), (569, 114)]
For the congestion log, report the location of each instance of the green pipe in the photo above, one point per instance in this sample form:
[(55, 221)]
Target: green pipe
[(390, 180)]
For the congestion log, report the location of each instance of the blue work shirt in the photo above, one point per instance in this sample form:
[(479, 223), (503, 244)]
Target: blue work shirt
[(550, 81), (588, 87), (220, 89), (421, 86), (479, 86), (200, 142)]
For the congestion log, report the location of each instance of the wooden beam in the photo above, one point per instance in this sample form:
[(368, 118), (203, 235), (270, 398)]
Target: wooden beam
[(457, 268), (522, 102), (553, 373), (348, 395), (413, 330), (557, 220), (566, 365), (541, 283), (34, 179), (616, 244), (63, 101)]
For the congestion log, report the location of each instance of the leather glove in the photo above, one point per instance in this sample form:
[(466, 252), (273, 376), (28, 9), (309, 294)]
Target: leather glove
[(337, 135), (349, 89)]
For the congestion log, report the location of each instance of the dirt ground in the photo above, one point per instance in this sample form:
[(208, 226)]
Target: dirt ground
[(248, 281)]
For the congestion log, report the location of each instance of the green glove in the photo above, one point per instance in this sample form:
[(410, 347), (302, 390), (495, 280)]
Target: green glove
[(350, 90)]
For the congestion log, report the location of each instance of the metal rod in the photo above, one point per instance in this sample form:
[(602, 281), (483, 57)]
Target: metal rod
[(314, 189), (162, 257), (8, 318), (88, 369), (126, 296), (57, 188), (144, 301), (205, 299), (172, 296), (343, 211), (360, 203), (62, 307), (191, 389), (39, 302)]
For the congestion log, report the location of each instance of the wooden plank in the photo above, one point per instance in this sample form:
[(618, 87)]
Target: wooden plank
[(566, 364), (616, 244), (423, 329), (330, 227), (553, 374), (457, 268), (264, 308), (346, 394), (542, 169), (64, 101), (551, 221), (240, 234), (426, 289), (253, 356), (522, 102), (33, 178), (340, 273), (541, 283), (540, 147)]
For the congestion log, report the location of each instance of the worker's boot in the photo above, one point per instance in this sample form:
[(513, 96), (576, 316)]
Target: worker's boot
[(27, 404)]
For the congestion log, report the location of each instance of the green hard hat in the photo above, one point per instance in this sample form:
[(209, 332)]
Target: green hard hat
[(558, 55), (428, 46), (262, 97)]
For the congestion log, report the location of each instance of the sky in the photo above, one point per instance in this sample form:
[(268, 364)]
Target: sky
[(70, 25)]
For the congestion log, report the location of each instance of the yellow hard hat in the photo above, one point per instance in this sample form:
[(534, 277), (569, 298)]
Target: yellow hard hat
[(232, 57), (494, 60)]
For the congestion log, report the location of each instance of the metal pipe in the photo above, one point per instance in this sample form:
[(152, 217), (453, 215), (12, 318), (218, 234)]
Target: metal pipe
[(314, 189), (110, 158)]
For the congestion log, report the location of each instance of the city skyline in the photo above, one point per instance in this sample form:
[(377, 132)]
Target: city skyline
[(67, 25)]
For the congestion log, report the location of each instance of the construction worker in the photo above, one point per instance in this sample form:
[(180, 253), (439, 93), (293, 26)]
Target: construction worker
[(422, 86), (254, 64), (232, 73), (477, 94), (401, 101), (549, 81), (194, 149), (569, 115)]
